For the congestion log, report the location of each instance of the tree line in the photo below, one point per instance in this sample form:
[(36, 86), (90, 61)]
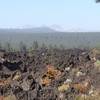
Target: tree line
[(24, 48)]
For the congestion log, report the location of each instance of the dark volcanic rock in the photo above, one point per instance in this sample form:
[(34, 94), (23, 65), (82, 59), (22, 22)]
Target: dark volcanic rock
[(21, 74)]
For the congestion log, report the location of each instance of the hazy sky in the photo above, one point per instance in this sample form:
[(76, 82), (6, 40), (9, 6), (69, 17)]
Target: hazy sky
[(74, 15)]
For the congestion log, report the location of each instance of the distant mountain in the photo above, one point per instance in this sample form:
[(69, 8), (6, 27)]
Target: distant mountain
[(29, 30)]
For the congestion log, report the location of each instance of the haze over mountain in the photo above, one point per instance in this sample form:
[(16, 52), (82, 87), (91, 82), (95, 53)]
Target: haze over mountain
[(28, 30)]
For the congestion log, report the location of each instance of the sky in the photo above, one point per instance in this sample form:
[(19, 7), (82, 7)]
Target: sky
[(65, 15)]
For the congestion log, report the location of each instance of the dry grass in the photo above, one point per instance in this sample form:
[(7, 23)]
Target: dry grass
[(94, 96)]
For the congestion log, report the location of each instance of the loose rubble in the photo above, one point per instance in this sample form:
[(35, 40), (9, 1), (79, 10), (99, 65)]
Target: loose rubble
[(43, 74)]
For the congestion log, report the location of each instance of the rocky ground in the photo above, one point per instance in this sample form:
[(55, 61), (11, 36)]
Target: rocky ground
[(45, 74)]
